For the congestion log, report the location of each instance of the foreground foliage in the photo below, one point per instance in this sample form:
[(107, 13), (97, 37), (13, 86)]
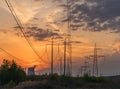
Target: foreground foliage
[(65, 82), (11, 73)]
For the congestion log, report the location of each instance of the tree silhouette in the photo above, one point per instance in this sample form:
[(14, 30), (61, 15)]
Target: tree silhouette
[(10, 71)]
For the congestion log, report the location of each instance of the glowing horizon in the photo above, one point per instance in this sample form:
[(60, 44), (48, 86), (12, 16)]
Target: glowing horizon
[(42, 18)]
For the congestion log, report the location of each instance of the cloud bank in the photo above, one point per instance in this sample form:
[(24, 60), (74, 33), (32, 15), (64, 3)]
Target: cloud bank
[(41, 34), (95, 15)]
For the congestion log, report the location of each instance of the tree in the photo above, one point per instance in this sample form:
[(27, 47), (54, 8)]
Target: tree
[(10, 71)]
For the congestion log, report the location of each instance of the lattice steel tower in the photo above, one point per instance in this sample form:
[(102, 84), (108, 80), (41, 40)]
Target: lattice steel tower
[(69, 42), (95, 60)]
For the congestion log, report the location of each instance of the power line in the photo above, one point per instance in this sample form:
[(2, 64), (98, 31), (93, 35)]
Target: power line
[(22, 29), (52, 54), (10, 54)]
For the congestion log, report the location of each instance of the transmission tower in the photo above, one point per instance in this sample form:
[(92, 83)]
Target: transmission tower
[(69, 43), (85, 69), (65, 57), (95, 57)]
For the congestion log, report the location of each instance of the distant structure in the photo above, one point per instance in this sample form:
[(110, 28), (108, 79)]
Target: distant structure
[(85, 69), (95, 57), (68, 43), (31, 70)]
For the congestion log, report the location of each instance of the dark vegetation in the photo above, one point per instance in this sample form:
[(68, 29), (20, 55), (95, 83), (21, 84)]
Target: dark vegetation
[(13, 76), (66, 82), (11, 73)]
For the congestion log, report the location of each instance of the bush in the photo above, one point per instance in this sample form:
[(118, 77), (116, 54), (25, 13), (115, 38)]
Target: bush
[(11, 84), (54, 77), (10, 71), (94, 79)]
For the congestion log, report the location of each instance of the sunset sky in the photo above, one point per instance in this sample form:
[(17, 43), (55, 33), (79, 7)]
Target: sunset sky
[(93, 21)]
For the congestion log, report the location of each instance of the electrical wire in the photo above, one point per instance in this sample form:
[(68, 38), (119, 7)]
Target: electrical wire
[(22, 29), (9, 54)]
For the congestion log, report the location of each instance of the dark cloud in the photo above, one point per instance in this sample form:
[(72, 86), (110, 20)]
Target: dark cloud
[(95, 15), (57, 0), (41, 34), (51, 0), (38, 0), (35, 18), (73, 42), (76, 42)]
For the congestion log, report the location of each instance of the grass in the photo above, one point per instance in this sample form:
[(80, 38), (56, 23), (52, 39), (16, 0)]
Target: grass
[(66, 82)]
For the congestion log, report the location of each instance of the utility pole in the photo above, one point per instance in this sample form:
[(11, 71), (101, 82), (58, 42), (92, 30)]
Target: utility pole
[(95, 60), (65, 57), (52, 55), (60, 65)]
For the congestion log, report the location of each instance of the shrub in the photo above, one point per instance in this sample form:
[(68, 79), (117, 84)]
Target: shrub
[(11, 84), (10, 71), (94, 79)]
